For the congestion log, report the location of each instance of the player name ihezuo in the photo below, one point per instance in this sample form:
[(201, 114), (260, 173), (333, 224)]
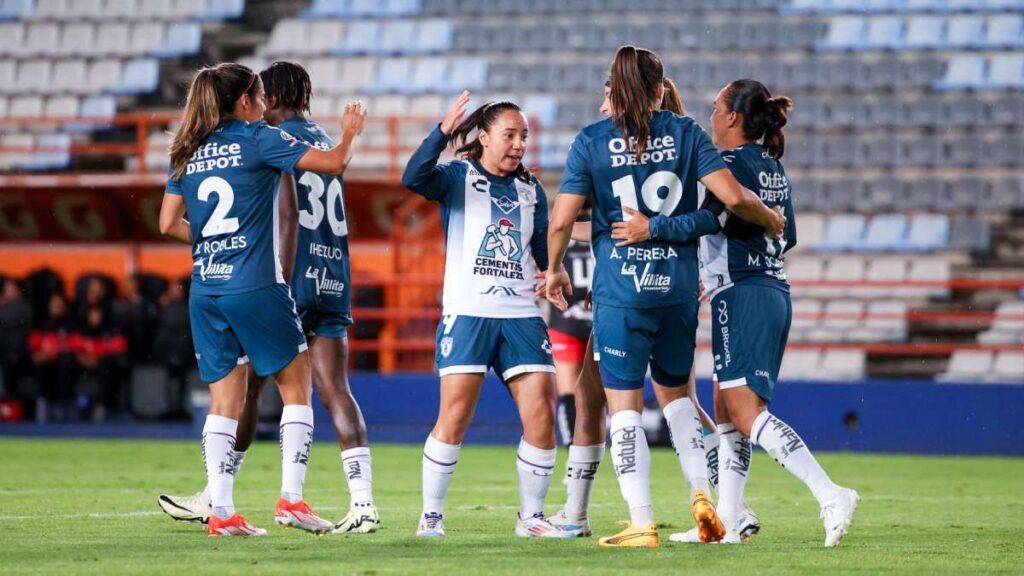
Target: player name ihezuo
[(658, 149), (329, 252), (212, 156)]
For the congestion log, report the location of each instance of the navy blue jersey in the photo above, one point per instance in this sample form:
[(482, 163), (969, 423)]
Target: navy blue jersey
[(495, 232), (742, 252), (663, 181), (230, 188), (321, 276)]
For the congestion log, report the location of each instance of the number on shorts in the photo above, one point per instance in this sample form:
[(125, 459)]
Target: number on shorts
[(625, 190), (448, 320), (334, 208), (218, 223)]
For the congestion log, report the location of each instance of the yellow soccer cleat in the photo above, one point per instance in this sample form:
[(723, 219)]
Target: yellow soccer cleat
[(633, 537), (709, 525)]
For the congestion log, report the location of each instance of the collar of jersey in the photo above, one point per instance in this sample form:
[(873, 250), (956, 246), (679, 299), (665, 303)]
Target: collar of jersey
[(492, 177)]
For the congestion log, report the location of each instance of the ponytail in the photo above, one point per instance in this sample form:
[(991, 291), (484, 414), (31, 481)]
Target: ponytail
[(211, 99), (482, 119), (635, 76), (671, 101), (764, 116)]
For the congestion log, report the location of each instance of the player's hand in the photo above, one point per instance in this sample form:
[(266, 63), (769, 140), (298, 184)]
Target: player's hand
[(558, 285), (354, 118), (778, 225), (632, 232), (455, 114), (540, 285), (702, 295)]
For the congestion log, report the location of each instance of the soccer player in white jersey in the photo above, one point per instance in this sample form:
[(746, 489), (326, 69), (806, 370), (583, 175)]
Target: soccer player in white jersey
[(495, 218)]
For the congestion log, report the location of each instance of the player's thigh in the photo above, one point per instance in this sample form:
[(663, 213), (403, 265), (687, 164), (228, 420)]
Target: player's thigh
[(459, 395), (672, 356), (623, 341), (534, 395), (466, 344), (524, 347), (218, 350), (749, 323), (267, 326), (568, 352)]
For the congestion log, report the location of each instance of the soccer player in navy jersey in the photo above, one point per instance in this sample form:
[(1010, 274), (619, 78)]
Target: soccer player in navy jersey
[(226, 164), (315, 259), (751, 311), (495, 219), (645, 296)]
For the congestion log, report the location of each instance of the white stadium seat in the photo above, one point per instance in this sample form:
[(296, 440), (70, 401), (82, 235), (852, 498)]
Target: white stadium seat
[(26, 107), (806, 317), (967, 366), (146, 37), (840, 364), (49, 9), (291, 37), (12, 35), (85, 10), (123, 9), (113, 39), (41, 38), (1008, 367), (1008, 325), (3, 106), (34, 77), (8, 72), (800, 364), (103, 74), (61, 107), (19, 145), (70, 77), (76, 39)]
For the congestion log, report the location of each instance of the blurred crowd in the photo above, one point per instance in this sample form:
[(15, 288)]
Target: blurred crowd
[(71, 359)]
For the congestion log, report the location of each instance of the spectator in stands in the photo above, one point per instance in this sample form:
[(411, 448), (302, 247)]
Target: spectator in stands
[(135, 314), (50, 349), (16, 321), (100, 349), (172, 342)]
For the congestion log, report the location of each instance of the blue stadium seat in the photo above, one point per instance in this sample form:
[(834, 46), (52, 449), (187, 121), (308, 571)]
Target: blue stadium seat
[(542, 107), (923, 194), (1005, 31), (843, 232), (220, 10), (396, 37), (94, 107), (844, 33), (403, 7), (966, 112), (430, 75), (434, 36), (964, 31), (327, 9), (971, 234), (1008, 193), (360, 38), (1006, 71), (884, 194), (181, 39), (927, 233), (843, 193), (808, 6), (15, 9), (468, 74), (962, 194), (884, 232), (393, 75), (923, 32), (366, 8), (965, 71), (54, 153), (139, 76), (884, 32)]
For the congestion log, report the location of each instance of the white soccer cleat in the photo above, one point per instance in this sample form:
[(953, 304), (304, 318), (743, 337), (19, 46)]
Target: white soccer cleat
[(578, 528), (537, 526), (837, 515), (692, 536), (749, 524), (359, 520), (185, 508), (431, 526)]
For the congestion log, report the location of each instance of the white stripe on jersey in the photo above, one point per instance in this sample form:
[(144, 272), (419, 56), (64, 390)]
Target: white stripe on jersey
[(278, 270), (714, 257)]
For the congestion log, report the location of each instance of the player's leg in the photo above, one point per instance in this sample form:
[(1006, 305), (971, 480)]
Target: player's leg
[(738, 462), (587, 449), (568, 353), (329, 355)]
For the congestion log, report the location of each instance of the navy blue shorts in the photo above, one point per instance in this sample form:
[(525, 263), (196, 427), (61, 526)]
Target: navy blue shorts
[(627, 339), (511, 346), (749, 330), (259, 326), (324, 324)]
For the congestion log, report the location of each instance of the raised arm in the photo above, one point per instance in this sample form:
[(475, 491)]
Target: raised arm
[(172, 219), (335, 160), (422, 174), (743, 202)]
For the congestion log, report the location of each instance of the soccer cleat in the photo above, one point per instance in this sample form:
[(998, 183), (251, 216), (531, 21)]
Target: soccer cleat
[(708, 523), (633, 537), (537, 526), (185, 508), (837, 515), (749, 524), (237, 525), (300, 515), (692, 536), (359, 520), (431, 526), (580, 529)]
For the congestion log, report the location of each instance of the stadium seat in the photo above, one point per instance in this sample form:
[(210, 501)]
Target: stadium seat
[(397, 37), (883, 194), (3, 106), (1005, 32), (840, 364), (14, 148), (52, 152), (146, 37), (358, 73), (11, 36), (843, 232), (360, 38), (26, 107), (838, 318), (932, 270), (810, 229), (76, 39), (885, 321), (1008, 367), (806, 317), (139, 76), (112, 39), (964, 71), (844, 33), (182, 39), (103, 74), (884, 32), (15, 9), (891, 271), (967, 366), (324, 73), (321, 9), (33, 77), (468, 74), (393, 75), (85, 10), (40, 39), (60, 107), (49, 9), (402, 7), (125, 9), (434, 36), (318, 38), (846, 271), (1008, 192), (427, 107), (971, 235), (94, 108), (1006, 71), (964, 31), (220, 10), (430, 75), (1007, 326), (800, 364), (885, 232), (291, 37), (923, 32), (928, 232)]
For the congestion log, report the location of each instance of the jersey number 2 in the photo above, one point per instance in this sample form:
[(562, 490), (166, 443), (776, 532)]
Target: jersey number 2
[(625, 190), (218, 222), (335, 197)]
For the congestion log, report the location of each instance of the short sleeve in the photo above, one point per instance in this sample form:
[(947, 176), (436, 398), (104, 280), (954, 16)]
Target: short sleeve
[(576, 178), (278, 148), (173, 184), (708, 159)]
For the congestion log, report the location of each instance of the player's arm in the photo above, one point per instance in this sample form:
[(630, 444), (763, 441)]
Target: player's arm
[(581, 231), (288, 206), (422, 174), (335, 160), (172, 218), (790, 233), (743, 202), (679, 229), (563, 217), (539, 241)]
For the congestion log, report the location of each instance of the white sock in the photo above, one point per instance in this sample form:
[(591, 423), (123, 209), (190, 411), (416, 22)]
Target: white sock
[(632, 460), (789, 450), (439, 460), (296, 440), (733, 469), (711, 457), (583, 464), (688, 440), (535, 466), (204, 496), (357, 465), (219, 458)]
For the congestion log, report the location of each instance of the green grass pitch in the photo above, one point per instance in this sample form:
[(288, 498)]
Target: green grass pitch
[(89, 507)]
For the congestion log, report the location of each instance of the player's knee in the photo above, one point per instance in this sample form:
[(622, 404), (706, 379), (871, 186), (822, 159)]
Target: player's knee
[(743, 421)]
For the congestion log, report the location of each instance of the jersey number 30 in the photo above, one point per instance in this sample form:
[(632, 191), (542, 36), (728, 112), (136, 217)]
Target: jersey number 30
[(625, 190), (334, 205)]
